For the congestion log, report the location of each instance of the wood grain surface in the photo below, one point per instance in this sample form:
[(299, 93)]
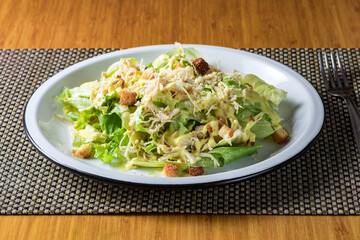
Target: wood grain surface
[(132, 23), (177, 227)]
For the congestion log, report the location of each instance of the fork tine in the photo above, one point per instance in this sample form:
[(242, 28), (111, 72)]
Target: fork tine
[(341, 70), (320, 55), (331, 79), (338, 81)]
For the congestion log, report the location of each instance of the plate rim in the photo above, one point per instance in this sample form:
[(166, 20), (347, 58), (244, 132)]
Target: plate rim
[(220, 182)]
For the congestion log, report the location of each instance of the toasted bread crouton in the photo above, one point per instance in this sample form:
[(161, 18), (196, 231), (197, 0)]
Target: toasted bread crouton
[(226, 132), (83, 152), (127, 97), (280, 136), (196, 171), (201, 66), (170, 170)]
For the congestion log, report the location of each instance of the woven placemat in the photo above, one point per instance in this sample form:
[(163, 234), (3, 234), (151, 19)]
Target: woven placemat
[(325, 180)]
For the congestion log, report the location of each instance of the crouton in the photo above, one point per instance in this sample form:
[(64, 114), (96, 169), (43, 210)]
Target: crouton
[(201, 66), (280, 136), (226, 132), (83, 152), (196, 171), (170, 170), (127, 97)]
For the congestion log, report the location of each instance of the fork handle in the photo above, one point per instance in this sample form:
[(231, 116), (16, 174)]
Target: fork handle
[(355, 119)]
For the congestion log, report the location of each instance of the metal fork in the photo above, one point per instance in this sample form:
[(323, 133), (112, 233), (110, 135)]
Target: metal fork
[(337, 85)]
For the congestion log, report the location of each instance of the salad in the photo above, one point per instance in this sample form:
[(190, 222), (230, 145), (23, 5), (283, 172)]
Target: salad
[(178, 113)]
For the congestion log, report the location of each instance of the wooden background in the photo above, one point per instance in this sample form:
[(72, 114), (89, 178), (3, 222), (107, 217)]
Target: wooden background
[(133, 23)]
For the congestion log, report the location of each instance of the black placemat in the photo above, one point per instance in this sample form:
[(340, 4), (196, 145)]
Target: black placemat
[(325, 180)]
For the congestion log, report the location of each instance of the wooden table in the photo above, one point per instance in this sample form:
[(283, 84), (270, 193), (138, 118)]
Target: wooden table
[(132, 23)]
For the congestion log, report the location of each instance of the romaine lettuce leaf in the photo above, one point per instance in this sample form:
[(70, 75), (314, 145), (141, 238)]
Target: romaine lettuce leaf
[(112, 69), (109, 123), (262, 127), (257, 103), (243, 115), (77, 97), (88, 116), (158, 164), (271, 93), (231, 82), (204, 162), (163, 59), (107, 152), (91, 134), (151, 147), (119, 137), (227, 154), (138, 118), (102, 152), (71, 112), (189, 53)]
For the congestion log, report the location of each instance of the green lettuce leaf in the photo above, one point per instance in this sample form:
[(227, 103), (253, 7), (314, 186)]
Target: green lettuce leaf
[(231, 82), (88, 116), (262, 127), (188, 53), (178, 124), (139, 118), (151, 147), (271, 93), (112, 69), (157, 164), (109, 123), (163, 59), (78, 97), (119, 137), (71, 112), (204, 162), (227, 154), (257, 103), (107, 152)]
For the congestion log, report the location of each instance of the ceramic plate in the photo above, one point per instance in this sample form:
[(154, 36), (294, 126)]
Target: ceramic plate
[(302, 111)]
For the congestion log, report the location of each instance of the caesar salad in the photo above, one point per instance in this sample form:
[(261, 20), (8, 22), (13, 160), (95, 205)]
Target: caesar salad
[(179, 114)]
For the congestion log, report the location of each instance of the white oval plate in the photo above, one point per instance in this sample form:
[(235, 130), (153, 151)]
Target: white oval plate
[(302, 111)]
